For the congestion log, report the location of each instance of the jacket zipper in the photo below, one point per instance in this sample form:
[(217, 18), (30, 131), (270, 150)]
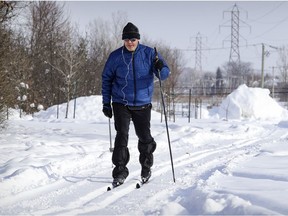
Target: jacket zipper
[(134, 76)]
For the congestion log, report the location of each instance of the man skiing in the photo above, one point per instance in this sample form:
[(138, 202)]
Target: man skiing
[(127, 82)]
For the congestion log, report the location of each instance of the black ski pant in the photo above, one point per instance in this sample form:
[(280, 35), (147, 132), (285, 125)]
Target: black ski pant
[(140, 117)]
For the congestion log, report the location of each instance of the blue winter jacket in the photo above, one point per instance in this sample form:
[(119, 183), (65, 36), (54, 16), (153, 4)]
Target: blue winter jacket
[(128, 77)]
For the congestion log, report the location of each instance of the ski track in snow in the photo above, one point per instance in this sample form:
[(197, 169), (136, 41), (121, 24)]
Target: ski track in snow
[(85, 181)]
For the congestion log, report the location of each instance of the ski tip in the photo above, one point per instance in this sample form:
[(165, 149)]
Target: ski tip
[(138, 186)]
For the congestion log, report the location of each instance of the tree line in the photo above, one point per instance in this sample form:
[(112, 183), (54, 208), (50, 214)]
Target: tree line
[(47, 61)]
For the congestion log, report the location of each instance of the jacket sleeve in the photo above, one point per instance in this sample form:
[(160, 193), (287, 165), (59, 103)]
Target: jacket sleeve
[(165, 71), (107, 80)]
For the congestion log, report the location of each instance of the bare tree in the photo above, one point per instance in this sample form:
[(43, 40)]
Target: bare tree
[(219, 85), (45, 24), (5, 35), (101, 46), (174, 59), (70, 58), (176, 65), (238, 73), (6, 8), (4, 83), (12, 55), (104, 37), (81, 87), (283, 64), (283, 70), (7, 83), (119, 20), (19, 72)]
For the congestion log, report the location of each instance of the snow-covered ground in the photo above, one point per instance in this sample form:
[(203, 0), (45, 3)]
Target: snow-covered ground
[(235, 166)]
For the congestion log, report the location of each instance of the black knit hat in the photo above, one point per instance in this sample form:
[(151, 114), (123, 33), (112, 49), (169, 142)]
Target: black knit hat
[(130, 31)]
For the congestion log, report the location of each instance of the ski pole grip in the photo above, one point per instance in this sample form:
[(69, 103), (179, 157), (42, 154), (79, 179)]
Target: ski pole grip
[(156, 57), (156, 53)]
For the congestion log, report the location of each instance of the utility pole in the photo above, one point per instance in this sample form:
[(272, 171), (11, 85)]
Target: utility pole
[(273, 82), (262, 66), (264, 53)]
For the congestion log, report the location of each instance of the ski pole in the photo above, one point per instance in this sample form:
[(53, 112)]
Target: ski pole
[(111, 149), (165, 116)]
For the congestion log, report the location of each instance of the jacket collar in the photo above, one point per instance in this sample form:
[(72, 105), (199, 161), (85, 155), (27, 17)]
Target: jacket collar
[(136, 50)]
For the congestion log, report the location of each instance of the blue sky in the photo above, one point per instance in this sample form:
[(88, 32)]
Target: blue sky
[(178, 22)]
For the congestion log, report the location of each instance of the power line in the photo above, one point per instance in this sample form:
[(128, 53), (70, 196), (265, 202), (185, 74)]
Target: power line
[(269, 12), (273, 27), (221, 48)]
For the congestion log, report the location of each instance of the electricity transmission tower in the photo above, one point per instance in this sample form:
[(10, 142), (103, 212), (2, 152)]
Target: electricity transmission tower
[(198, 52), (234, 50), (235, 35)]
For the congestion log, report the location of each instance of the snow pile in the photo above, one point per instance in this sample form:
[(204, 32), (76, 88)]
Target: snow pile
[(84, 108), (244, 102), (252, 103), (14, 114)]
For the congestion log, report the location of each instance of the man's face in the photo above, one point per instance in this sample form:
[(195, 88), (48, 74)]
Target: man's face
[(131, 44)]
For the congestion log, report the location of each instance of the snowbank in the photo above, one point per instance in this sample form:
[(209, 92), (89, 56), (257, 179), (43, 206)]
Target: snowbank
[(244, 102), (14, 114), (86, 108), (252, 103)]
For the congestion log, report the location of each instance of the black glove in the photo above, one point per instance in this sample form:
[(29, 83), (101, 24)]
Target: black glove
[(107, 110), (158, 64)]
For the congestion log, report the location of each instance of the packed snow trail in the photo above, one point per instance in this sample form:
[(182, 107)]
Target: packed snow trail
[(63, 166), (68, 165)]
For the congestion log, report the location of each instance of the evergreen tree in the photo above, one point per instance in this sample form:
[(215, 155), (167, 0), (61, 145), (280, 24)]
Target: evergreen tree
[(219, 81)]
